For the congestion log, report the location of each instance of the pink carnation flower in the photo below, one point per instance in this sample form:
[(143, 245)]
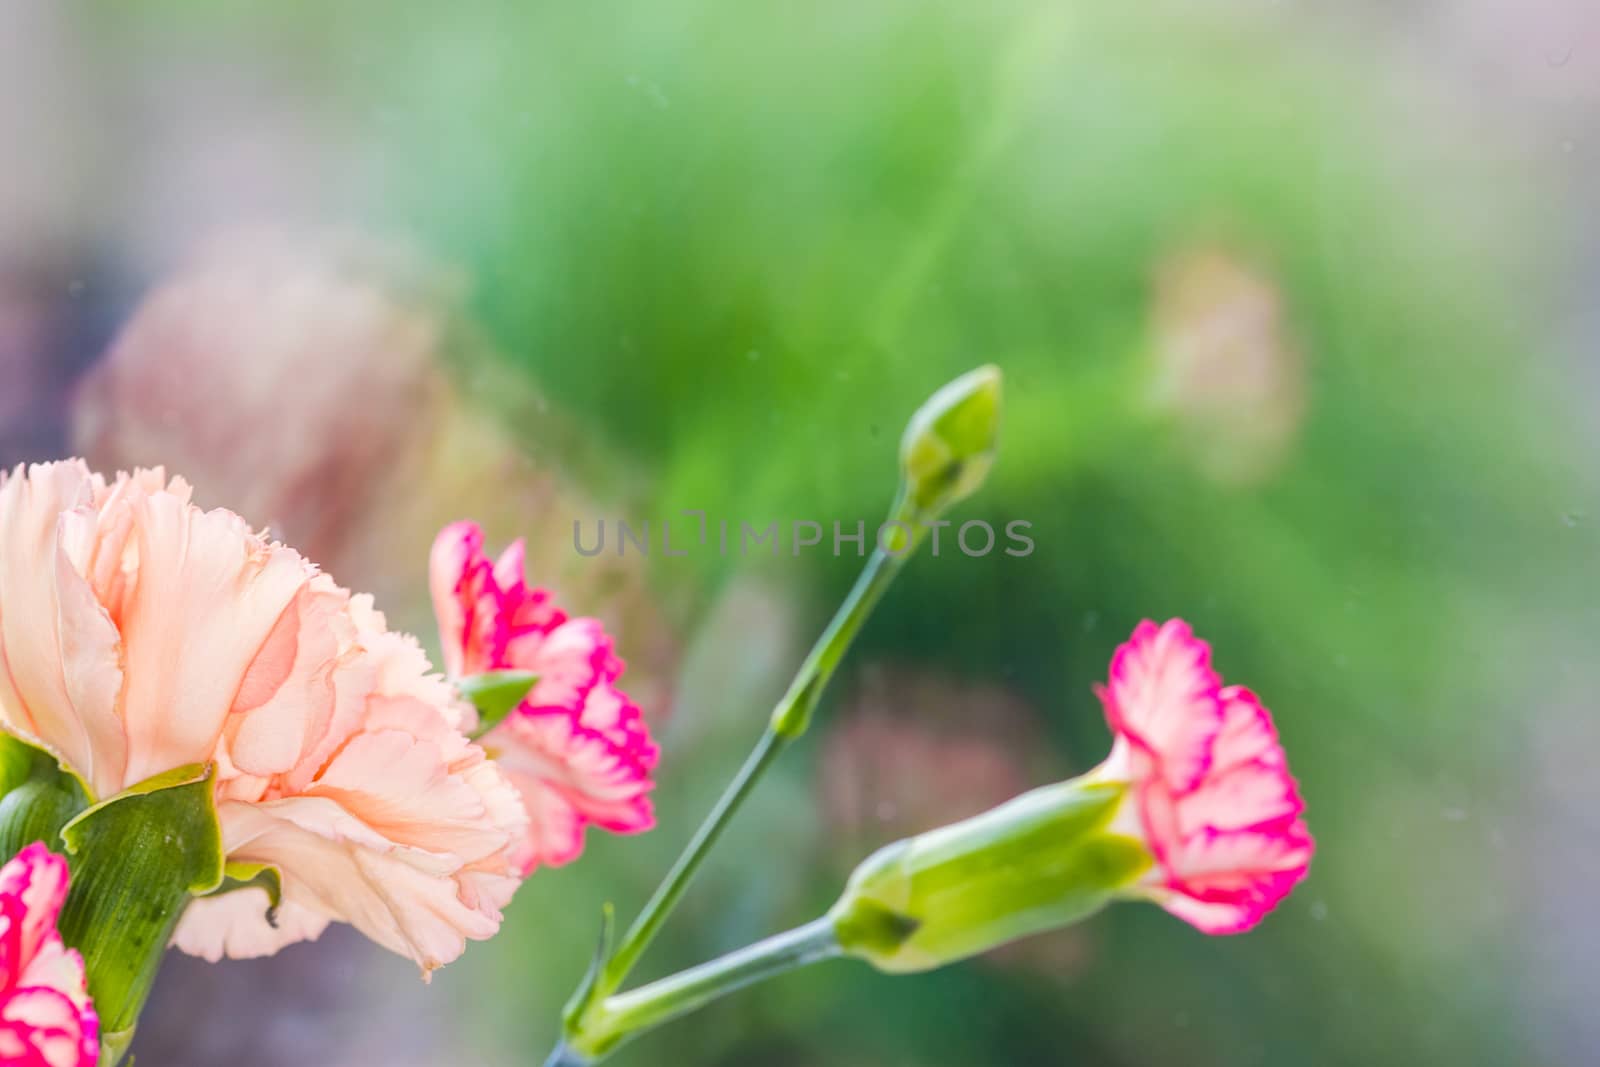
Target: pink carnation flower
[(1212, 795), (139, 634), (46, 1018), (576, 747)]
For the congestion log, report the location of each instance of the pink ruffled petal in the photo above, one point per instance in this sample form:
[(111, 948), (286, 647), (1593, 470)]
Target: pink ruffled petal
[(564, 770), (555, 826), (36, 879), (1250, 795), (1247, 734), (455, 580), (570, 661), (1163, 697), (50, 1028), (577, 749), (1216, 804), (46, 1018), (525, 609)]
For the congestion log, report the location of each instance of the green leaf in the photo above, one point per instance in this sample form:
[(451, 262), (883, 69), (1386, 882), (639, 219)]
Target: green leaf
[(262, 876), (37, 797), (136, 859), (494, 694)]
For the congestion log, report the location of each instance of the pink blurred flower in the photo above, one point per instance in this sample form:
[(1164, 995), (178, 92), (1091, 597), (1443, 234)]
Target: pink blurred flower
[(46, 1018), (1213, 798), (139, 634), (331, 385), (576, 747), (1227, 368)]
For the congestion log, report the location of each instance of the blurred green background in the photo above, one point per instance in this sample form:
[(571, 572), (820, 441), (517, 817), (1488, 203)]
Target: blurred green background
[(1293, 306)]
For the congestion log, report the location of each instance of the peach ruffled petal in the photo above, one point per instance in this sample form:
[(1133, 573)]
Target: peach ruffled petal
[(287, 699), (392, 821), (401, 896), (42, 624), (235, 925), (139, 633), (208, 595)]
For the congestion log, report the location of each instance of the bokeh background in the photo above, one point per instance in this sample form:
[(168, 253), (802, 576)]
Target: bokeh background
[(1297, 306)]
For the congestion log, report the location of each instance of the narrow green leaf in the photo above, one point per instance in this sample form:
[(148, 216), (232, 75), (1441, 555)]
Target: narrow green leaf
[(494, 694)]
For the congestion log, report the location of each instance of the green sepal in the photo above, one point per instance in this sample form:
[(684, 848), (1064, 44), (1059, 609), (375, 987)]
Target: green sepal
[(37, 797), (1043, 860), (495, 694), (949, 445), (114, 1045), (136, 860), (589, 988)]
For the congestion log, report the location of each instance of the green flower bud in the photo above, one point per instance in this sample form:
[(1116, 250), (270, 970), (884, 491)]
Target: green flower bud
[(1042, 860), (949, 444)]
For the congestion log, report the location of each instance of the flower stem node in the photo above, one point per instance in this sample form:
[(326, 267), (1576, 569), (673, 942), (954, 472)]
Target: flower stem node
[(949, 445), (1045, 859)]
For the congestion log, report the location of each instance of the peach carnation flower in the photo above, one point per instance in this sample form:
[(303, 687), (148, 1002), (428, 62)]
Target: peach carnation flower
[(576, 747), (139, 633), (46, 1018), (1212, 796)]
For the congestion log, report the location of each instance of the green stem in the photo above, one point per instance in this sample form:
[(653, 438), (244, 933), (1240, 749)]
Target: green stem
[(617, 1018), (789, 720)]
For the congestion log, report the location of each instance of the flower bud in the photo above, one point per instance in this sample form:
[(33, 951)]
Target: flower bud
[(1042, 860), (949, 444)]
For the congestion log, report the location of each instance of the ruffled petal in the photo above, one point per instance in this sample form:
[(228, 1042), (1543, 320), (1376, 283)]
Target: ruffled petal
[(235, 925), (483, 607), (46, 627), (41, 1027), (1248, 871), (1215, 802), (139, 634), (287, 699), (393, 821), (46, 1017), (401, 896), (569, 776), (207, 597), (36, 879), (577, 749), (455, 578), (1162, 696)]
